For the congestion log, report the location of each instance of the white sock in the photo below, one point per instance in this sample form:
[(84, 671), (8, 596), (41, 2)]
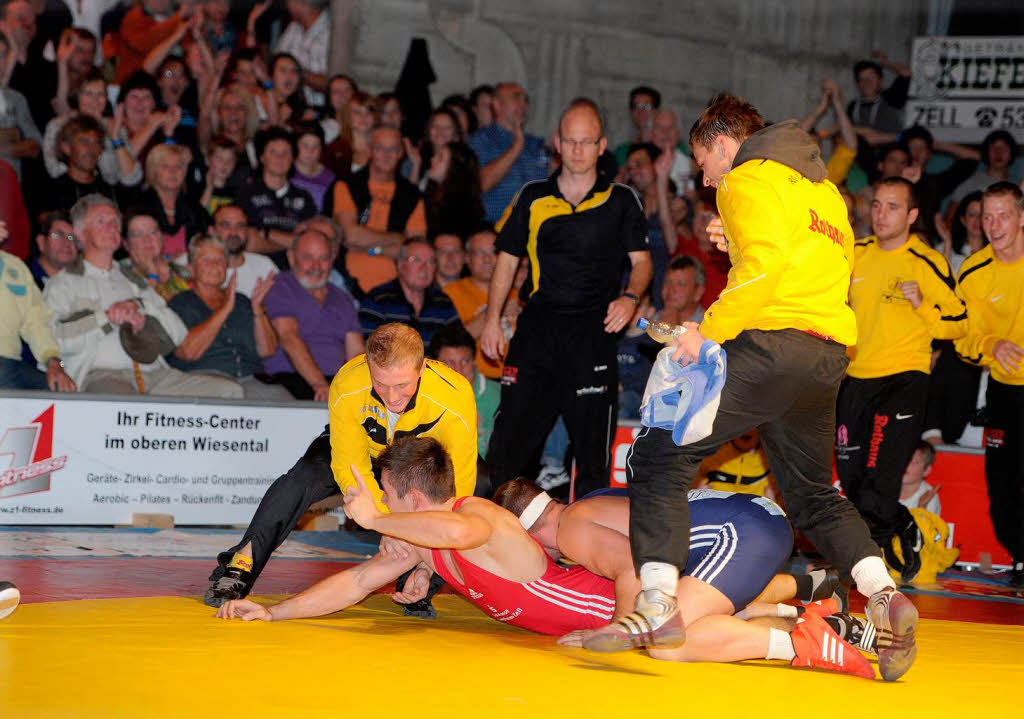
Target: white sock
[(786, 610), (871, 576), (780, 646), (659, 575)]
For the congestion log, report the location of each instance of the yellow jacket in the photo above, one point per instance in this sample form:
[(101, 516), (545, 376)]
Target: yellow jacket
[(23, 314), (444, 407), (894, 337), (994, 292), (791, 248)]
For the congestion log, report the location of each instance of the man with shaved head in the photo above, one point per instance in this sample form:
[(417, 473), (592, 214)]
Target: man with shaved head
[(577, 228), (508, 157)]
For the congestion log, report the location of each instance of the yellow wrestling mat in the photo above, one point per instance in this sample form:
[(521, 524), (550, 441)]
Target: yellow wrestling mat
[(169, 657)]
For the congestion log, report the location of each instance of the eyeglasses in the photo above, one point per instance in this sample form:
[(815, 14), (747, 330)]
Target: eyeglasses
[(415, 260), (55, 235), (170, 74), (643, 106), (570, 144)]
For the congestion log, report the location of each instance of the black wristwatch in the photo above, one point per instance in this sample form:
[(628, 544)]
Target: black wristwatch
[(630, 295)]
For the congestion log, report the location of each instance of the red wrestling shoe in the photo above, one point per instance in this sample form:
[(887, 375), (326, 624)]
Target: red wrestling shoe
[(816, 645)]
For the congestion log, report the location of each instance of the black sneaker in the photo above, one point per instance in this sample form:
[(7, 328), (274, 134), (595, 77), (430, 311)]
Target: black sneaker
[(234, 583), (911, 544)]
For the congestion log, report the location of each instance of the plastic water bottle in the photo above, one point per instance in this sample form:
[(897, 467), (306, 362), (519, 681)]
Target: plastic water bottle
[(661, 332)]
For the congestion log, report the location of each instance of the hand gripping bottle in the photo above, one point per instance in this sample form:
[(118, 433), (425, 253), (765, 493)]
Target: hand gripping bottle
[(661, 332)]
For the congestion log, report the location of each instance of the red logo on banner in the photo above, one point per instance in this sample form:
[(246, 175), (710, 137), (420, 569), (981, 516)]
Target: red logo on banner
[(26, 457)]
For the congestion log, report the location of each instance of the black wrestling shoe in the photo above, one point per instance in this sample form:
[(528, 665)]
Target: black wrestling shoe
[(422, 609), (234, 583), (858, 632), (911, 544)]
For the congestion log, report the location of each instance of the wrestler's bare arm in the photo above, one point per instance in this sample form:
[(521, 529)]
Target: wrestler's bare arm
[(603, 551), (329, 595)]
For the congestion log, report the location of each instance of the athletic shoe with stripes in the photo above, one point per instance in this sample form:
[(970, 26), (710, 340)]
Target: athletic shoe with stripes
[(10, 597), (656, 622), (817, 646), (895, 620), (858, 632)]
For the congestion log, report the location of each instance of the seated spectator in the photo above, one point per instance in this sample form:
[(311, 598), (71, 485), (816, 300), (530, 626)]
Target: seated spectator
[(76, 53), (57, 247), (332, 231), (451, 259), (145, 26), (287, 90), (643, 102), (115, 165), (146, 261), (19, 134), (647, 170), (508, 157), (247, 269), (459, 106), (350, 151), (228, 334), (469, 295), (933, 188), (455, 347), (452, 191), (24, 316), (875, 107), (179, 216), (178, 91), (307, 38), (389, 111), (715, 262), (113, 330), (232, 116), (218, 29), (81, 145), (340, 89), (378, 209), (309, 173), (892, 161), (412, 298), (682, 291), (480, 99), (30, 75), (221, 160), (965, 237), (998, 152), (271, 203), (915, 491), (315, 321), (666, 136), (138, 126), (442, 129)]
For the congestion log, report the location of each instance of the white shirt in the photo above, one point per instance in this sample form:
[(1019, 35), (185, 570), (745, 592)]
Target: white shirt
[(934, 505), (113, 287), (310, 48), (254, 267)]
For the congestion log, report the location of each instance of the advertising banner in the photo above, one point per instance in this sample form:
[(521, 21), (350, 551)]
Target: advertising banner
[(79, 460)]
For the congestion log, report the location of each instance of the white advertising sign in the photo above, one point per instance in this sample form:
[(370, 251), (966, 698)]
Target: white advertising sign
[(78, 460), (962, 88)]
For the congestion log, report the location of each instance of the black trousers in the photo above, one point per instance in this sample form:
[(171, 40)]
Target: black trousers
[(557, 365), (878, 426), (309, 481), (952, 394), (1004, 464), (784, 383)]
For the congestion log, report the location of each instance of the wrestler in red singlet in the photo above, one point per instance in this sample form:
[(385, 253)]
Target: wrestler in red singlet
[(562, 600)]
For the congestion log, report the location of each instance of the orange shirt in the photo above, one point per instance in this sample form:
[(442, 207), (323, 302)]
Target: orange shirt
[(373, 270), (469, 301)]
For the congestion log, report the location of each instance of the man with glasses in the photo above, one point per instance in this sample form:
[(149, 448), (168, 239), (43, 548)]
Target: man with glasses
[(378, 209), (577, 228), (57, 247), (412, 298), (232, 228), (643, 103), (509, 158)]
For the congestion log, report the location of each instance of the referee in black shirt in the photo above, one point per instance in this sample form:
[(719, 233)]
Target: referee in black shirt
[(577, 228)]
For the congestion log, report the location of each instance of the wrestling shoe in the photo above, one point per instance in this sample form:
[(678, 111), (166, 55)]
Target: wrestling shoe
[(911, 544), (656, 622), (234, 583), (858, 632), (817, 646), (895, 620), (551, 477), (10, 597), (424, 608)]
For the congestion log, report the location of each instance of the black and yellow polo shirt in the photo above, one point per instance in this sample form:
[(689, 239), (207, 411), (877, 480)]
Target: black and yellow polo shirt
[(444, 407), (577, 254)]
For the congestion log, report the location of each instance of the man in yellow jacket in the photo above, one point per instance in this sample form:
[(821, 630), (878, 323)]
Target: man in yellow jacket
[(392, 391), (992, 283), (904, 296), (784, 323)]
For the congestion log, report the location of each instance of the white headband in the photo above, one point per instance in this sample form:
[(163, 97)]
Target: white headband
[(533, 510)]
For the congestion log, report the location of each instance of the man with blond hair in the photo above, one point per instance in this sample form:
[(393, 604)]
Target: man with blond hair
[(391, 391)]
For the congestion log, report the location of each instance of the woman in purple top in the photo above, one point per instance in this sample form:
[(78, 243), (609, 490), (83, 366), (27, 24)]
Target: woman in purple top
[(309, 173), (316, 322)]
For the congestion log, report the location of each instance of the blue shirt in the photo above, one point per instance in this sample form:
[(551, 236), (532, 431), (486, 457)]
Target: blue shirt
[(491, 142), (387, 303), (233, 350)]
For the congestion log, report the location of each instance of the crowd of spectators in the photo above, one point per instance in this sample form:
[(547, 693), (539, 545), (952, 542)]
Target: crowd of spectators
[(203, 209)]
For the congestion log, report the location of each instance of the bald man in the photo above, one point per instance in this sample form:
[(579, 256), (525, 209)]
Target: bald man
[(578, 229)]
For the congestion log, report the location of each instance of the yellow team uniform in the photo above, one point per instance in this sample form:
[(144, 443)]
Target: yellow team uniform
[(779, 224), (444, 408), (994, 292), (731, 469), (895, 337)]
